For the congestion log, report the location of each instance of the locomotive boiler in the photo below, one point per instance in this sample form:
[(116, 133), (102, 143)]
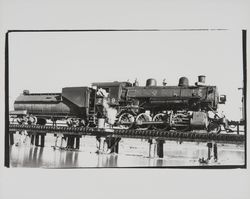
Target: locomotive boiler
[(125, 105)]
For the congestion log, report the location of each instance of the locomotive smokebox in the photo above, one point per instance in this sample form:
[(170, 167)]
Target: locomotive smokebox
[(151, 82), (202, 79), (183, 81)]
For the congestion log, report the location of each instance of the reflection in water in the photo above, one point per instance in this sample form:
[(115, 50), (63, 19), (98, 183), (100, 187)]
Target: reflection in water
[(26, 156), (132, 153), (35, 155), (108, 160), (158, 162), (62, 158), (70, 159)]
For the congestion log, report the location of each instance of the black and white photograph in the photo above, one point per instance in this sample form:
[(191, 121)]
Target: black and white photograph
[(126, 98)]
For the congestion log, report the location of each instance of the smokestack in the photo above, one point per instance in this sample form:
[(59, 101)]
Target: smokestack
[(202, 79)]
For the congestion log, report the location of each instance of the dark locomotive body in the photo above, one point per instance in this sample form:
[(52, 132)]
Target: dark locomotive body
[(175, 97), (73, 102), (132, 106)]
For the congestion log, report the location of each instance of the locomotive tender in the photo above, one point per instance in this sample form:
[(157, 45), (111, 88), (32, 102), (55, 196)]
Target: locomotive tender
[(126, 105)]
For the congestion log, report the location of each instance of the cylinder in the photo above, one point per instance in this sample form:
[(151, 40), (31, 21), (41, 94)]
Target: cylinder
[(199, 120), (151, 82), (101, 123), (183, 81), (202, 79)]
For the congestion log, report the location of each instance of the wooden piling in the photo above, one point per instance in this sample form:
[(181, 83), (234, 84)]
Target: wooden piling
[(159, 146), (11, 136), (42, 140), (209, 147), (113, 144), (101, 143), (152, 148), (71, 141), (156, 148), (77, 142), (61, 140), (37, 140), (68, 138), (116, 149), (32, 137), (215, 152)]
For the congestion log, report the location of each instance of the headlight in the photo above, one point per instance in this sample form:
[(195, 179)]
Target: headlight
[(223, 99)]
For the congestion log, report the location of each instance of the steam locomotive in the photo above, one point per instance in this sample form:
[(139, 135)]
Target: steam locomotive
[(126, 105)]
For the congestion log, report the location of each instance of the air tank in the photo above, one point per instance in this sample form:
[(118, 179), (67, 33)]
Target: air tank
[(183, 81), (151, 82)]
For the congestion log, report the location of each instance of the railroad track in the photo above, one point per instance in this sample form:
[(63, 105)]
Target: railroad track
[(131, 133)]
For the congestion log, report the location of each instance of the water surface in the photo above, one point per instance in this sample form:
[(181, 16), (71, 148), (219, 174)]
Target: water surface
[(132, 153)]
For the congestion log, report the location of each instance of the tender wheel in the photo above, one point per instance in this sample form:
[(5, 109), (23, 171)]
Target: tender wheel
[(82, 122), (214, 127), (72, 122), (75, 122), (126, 118), (143, 117), (22, 120), (32, 120), (161, 117), (41, 121)]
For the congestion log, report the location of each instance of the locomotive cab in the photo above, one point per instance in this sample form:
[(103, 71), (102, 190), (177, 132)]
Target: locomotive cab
[(115, 90)]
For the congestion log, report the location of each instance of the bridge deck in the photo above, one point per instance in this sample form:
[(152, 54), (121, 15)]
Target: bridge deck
[(129, 133)]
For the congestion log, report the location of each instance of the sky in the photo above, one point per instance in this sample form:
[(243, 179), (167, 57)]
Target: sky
[(49, 61)]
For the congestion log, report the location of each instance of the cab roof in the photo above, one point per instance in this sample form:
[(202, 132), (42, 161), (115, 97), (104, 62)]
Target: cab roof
[(110, 84)]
